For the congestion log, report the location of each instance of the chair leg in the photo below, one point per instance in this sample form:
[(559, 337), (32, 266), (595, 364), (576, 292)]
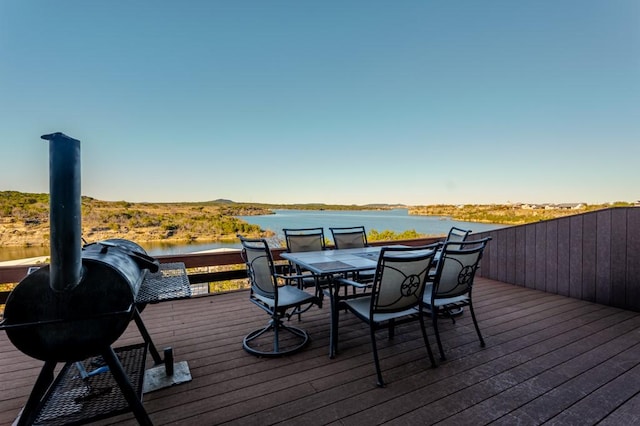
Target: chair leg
[(475, 323), (276, 333), (376, 360), (318, 290), (434, 318), (426, 341)]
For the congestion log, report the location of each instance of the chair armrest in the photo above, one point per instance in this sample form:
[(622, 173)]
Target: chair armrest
[(291, 276), (353, 283)]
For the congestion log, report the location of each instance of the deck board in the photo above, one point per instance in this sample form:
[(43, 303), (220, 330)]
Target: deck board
[(548, 358)]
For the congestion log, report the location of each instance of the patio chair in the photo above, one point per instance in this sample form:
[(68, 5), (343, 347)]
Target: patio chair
[(349, 237), (450, 287), (301, 240), (352, 237), (304, 239), (396, 294), (276, 299), (455, 234)]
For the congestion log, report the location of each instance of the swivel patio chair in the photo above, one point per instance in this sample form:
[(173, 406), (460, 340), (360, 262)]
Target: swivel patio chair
[(396, 294), (451, 286), (277, 300)]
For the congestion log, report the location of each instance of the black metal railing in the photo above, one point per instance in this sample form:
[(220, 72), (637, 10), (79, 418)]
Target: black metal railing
[(203, 269)]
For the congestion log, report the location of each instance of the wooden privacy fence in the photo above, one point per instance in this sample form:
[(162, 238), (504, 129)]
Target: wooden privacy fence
[(592, 256)]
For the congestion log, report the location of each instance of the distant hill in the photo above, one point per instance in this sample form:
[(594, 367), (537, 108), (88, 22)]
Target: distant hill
[(24, 220)]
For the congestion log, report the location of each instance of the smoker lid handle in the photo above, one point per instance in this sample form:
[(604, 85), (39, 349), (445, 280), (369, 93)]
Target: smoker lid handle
[(145, 261)]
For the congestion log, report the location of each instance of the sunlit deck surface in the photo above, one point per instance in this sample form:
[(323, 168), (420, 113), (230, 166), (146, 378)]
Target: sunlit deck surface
[(548, 358)]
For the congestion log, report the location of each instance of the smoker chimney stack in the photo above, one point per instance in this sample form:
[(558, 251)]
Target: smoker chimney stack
[(64, 212)]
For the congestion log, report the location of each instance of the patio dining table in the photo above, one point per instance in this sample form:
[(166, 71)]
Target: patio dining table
[(329, 263)]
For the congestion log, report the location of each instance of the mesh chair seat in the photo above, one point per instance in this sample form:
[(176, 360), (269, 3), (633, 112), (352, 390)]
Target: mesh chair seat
[(362, 305), (287, 296)]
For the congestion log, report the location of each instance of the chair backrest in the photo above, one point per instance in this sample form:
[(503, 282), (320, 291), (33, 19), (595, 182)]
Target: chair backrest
[(349, 237), (457, 267), (457, 234), (400, 278), (304, 239), (260, 267)]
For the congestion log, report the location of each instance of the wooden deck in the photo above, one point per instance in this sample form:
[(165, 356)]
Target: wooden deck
[(548, 358)]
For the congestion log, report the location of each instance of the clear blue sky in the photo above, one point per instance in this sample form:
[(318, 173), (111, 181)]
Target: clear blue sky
[(415, 102)]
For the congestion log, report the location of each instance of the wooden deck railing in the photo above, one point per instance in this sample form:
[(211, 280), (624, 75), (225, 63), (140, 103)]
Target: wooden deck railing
[(194, 263)]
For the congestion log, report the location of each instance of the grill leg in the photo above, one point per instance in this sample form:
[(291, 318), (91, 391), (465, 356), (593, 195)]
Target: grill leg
[(147, 338), (45, 378), (125, 386)]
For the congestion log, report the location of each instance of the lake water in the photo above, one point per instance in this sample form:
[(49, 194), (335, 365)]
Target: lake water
[(396, 220)]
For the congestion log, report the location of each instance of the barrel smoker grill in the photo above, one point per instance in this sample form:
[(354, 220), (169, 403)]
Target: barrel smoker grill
[(80, 304), (77, 323)]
